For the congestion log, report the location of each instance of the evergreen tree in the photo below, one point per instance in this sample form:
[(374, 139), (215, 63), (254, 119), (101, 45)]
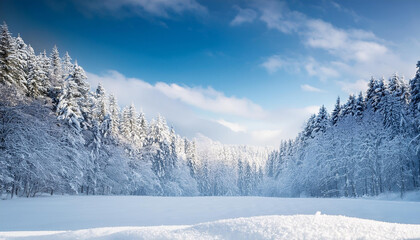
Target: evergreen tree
[(160, 131), (160, 135), (360, 105), (114, 112), (190, 153), (56, 75), (143, 129), (247, 179), (336, 113), (406, 91), (100, 110), (22, 52), (321, 121), (68, 105), (395, 87), (375, 95), (78, 75), (37, 78), (381, 92), (73, 99), (84, 99), (45, 63), (100, 113), (395, 104), (309, 127), (415, 93), (11, 68), (173, 150), (129, 125), (349, 108), (67, 66), (241, 177), (370, 93)]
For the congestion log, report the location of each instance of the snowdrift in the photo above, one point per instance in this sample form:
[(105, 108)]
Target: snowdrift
[(265, 227), (136, 217)]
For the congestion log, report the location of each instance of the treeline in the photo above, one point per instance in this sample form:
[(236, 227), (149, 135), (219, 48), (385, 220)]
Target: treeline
[(57, 136), (367, 146)]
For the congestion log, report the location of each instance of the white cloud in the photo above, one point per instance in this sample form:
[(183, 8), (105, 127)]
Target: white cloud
[(353, 44), (244, 16), (211, 100), (353, 87), (273, 64), (156, 95), (353, 14), (266, 135), (277, 62), (348, 44), (289, 121), (311, 109), (314, 68), (236, 127), (308, 65), (278, 16), (323, 35), (309, 88), (351, 54), (157, 8), (359, 49)]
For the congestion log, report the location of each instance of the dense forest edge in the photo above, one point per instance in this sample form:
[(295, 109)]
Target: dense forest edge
[(59, 137)]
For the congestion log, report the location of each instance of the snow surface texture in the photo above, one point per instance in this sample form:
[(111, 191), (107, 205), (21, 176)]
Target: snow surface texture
[(107, 217), (265, 227)]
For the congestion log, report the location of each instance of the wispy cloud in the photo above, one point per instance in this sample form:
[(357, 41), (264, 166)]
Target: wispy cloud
[(243, 16), (300, 64), (211, 100), (356, 17), (353, 44), (236, 127), (309, 88), (273, 64), (347, 44), (353, 87), (323, 72), (352, 54), (154, 8), (206, 99), (266, 135), (279, 17)]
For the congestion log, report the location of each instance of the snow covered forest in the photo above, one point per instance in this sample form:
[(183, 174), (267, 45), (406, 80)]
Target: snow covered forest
[(57, 136)]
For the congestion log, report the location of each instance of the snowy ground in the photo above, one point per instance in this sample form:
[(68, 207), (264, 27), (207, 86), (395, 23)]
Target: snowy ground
[(127, 217)]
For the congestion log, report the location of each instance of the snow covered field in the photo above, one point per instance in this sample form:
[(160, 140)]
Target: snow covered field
[(127, 217)]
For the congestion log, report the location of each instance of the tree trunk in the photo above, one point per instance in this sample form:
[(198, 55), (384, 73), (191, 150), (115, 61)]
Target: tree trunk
[(13, 191)]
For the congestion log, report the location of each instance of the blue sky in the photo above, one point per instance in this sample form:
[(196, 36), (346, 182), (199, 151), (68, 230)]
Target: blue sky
[(242, 72)]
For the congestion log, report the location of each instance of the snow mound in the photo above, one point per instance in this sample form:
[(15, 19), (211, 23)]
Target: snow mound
[(265, 227)]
